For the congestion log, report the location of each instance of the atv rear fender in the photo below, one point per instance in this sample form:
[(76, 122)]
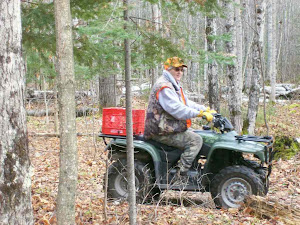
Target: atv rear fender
[(146, 153)]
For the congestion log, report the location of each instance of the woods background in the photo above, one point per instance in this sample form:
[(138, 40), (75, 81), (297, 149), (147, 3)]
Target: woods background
[(243, 60)]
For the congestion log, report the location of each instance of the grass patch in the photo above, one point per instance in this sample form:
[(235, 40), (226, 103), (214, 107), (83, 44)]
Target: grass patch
[(270, 111), (260, 119)]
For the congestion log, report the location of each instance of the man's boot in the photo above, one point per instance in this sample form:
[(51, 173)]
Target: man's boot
[(181, 178)]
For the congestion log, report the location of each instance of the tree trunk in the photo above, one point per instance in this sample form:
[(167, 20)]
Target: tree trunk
[(212, 67), (234, 71), (272, 42), (129, 129), (248, 25), (15, 180), (45, 99), (56, 122), (205, 65), (256, 66), (66, 87), (156, 16), (107, 92)]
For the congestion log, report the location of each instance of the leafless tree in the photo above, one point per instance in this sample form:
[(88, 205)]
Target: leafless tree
[(212, 67), (129, 129), (234, 71), (66, 87), (259, 8)]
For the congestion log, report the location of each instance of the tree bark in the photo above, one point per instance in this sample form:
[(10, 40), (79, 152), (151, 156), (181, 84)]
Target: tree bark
[(272, 42), (256, 66), (68, 142), (107, 92), (129, 129), (234, 71), (212, 67), (15, 180), (56, 122), (45, 99)]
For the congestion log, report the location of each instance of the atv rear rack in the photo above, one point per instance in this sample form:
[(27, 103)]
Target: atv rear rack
[(104, 136), (110, 136)]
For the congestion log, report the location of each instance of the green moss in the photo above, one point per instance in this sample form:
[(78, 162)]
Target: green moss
[(295, 105), (245, 127), (286, 147)]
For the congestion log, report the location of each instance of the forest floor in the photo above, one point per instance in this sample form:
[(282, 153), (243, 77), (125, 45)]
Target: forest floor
[(44, 154)]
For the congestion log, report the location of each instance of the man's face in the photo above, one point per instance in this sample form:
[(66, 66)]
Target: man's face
[(177, 73)]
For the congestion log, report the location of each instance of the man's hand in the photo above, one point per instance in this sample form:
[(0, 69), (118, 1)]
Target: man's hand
[(208, 116), (200, 114), (212, 111)]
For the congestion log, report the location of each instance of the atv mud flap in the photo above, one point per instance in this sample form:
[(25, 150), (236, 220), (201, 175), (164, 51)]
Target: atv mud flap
[(269, 170)]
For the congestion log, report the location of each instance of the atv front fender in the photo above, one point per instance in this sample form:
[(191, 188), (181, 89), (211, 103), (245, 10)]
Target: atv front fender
[(243, 147)]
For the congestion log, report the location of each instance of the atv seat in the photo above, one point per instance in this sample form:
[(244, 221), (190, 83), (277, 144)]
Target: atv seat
[(156, 144)]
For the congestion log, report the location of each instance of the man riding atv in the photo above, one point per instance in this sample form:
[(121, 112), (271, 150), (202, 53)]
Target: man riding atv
[(169, 155), (169, 113)]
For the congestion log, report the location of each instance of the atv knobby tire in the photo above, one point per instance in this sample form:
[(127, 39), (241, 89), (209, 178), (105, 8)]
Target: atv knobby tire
[(232, 184), (261, 171), (117, 187)]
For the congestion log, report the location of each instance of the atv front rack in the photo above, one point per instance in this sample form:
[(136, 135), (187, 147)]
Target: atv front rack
[(265, 139), (269, 153)]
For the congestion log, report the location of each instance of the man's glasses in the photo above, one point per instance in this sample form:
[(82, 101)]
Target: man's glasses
[(178, 69)]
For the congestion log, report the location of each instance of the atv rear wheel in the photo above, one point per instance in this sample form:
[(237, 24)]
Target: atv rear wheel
[(117, 180), (231, 185)]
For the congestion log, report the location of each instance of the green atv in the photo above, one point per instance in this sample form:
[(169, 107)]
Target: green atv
[(233, 166)]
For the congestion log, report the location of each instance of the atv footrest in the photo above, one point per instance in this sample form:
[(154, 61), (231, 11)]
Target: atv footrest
[(181, 187)]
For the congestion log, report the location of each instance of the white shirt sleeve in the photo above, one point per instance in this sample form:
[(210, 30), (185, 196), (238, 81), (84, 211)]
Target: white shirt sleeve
[(170, 102), (194, 105)]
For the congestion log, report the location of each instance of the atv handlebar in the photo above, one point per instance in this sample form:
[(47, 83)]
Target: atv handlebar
[(220, 122)]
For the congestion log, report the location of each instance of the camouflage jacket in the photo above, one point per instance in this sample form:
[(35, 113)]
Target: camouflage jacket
[(158, 121)]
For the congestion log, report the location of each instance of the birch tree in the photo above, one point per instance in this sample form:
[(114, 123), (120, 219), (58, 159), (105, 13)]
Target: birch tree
[(234, 71), (272, 68), (212, 67), (259, 7), (15, 180), (157, 24), (66, 86)]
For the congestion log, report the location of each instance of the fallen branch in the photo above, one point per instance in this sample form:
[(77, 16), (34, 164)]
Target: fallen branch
[(39, 113), (79, 112), (32, 134), (39, 95), (267, 208)]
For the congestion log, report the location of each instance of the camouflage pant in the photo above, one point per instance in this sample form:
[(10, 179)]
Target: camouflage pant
[(188, 141)]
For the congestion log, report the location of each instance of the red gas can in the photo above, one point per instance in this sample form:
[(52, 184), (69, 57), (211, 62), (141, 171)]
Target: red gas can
[(114, 121)]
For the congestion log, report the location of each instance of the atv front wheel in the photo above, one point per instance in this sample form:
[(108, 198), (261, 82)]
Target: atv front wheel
[(231, 185), (117, 180)]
